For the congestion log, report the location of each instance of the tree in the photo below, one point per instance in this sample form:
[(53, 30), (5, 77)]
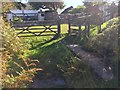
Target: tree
[(113, 10), (78, 9), (119, 8), (88, 4), (6, 6), (52, 6), (19, 5), (93, 3)]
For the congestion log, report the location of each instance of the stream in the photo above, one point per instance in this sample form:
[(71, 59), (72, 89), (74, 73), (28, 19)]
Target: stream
[(43, 81)]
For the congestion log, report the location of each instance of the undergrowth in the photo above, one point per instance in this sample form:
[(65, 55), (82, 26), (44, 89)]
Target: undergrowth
[(17, 69)]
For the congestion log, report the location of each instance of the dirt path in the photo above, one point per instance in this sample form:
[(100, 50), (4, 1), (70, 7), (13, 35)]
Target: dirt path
[(95, 63)]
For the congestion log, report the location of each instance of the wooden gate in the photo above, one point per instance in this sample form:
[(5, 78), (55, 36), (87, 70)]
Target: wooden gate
[(37, 28)]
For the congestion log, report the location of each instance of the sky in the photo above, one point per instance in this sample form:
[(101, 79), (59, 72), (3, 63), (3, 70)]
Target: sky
[(73, 3)]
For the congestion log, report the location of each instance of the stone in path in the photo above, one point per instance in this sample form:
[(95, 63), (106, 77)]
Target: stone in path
[(94, 62)]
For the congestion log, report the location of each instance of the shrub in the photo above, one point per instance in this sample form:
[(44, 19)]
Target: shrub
[(106, 41), (18, 70)]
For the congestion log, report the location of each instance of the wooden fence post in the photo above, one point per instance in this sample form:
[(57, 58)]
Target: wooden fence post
[(85, 29), (58, 25), (69, 26), (88, 33), (80, 32), (99, 29)]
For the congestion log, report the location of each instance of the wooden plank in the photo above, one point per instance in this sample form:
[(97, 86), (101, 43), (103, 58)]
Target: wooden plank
[(36, 35), (34, 29), (26, 32), (34, 23), (37, 22), (74, 29), (74, 25), (63, 21)]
